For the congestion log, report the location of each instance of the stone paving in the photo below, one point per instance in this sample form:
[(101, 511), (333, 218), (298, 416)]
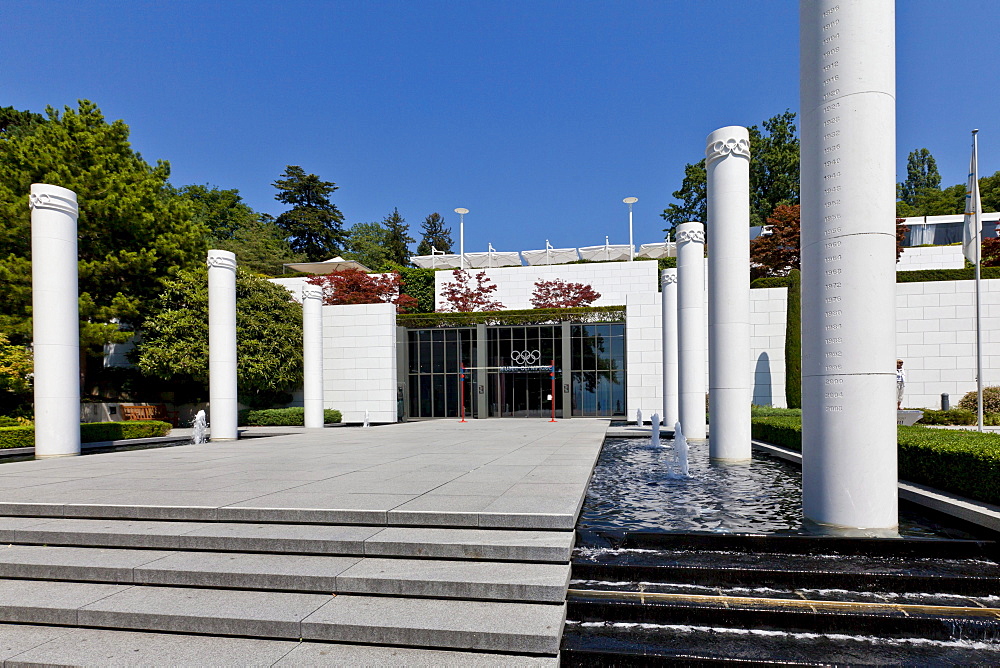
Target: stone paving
[(528, 474), (428, 543)]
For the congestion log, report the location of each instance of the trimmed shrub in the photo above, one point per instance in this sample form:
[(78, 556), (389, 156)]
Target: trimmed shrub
[(17, 437), (91, 432), (958, 461), (784, 431), (924, 275), (284, 417), (771, 411), (793, 341), (953, 416), (991, 401)]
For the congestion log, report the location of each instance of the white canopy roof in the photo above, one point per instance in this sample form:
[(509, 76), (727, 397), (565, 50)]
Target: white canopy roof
[(605, 253), (550, 255), (437, 261), (491, 259), (657, 251), (327, 266)]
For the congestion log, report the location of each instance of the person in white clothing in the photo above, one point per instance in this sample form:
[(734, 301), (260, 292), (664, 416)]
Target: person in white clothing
[(900, 383)]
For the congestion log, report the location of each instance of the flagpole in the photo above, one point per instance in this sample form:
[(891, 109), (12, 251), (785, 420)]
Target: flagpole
[(977, 220)]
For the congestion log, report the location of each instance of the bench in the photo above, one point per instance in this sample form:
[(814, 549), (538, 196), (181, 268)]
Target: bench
[(154, 412)]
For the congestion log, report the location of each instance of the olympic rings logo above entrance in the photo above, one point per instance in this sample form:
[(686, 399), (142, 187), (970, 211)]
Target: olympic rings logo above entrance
[(525, 357)]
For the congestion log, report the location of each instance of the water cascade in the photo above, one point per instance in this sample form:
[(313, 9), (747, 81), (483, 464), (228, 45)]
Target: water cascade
[(654, 437), (638, 417), (199, 425), (367, 423)]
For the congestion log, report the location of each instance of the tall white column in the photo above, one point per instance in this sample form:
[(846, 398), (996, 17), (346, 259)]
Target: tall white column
[(691, 343), (727, 163), (55, 320), (668, 285), (312, 355), (847, 89), (222, 345)]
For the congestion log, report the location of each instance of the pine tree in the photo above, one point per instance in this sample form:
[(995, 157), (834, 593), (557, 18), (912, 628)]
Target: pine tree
[(315, 226), (397, 239), (435, 235)]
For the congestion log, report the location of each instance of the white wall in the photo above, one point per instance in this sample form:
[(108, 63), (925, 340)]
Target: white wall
[(614, 280), (643, 361), (931, 257), (359, 361), (767, 345), (935, 338)]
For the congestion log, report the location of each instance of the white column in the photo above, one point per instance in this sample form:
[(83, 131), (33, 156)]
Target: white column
[(668, 284), (691, 343), (55, 320), (222, 403), (727, 164), (847, 88), (312, 355)]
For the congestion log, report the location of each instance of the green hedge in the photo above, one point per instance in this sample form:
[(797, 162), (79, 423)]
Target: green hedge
[(284, 417), (958, 461), (953, 416), (916, 276), (924, 275), (90, 432), (534, 316), (17, 437), (793, 341)]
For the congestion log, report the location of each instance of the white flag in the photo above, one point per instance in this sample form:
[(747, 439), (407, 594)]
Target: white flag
[(972, 229)]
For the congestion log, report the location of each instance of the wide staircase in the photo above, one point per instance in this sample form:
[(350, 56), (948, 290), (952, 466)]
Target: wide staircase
[(700, 599), (89, 590)]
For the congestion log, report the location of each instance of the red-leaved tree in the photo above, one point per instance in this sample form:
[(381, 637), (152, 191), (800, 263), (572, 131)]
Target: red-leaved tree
[(464, 297), (560, 294), (777, 252), (351, 286)]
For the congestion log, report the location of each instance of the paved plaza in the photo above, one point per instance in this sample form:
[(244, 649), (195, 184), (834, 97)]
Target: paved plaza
[(425, 543), (489, 473)]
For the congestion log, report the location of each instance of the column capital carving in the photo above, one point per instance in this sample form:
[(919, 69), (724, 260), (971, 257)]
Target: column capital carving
[(668, 277), (220, 259), (686, 236), (310, 291), (56, 198), (731, 146)]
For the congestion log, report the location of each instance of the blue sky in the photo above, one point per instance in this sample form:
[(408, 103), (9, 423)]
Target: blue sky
[(539, 117)]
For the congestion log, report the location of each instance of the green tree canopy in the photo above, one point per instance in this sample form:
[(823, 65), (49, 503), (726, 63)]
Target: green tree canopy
[(259, 244), (366, 243), (314, 225), (921, 177), (434, 234), (397, 238), (174, 344), (134, 231), (774, 175)]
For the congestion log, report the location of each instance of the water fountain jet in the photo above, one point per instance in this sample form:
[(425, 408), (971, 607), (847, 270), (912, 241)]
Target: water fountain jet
[(199, 425)]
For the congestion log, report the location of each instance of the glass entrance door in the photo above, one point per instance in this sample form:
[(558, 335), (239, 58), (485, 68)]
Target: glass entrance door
[(522, 394), (519, 383)]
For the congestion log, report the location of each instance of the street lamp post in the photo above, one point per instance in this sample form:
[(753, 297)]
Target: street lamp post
[(631, 246), (461, 233)]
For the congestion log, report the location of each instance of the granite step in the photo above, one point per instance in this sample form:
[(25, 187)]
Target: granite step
[(346, 540), (529, 628), (485, 580), (27, 645)]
